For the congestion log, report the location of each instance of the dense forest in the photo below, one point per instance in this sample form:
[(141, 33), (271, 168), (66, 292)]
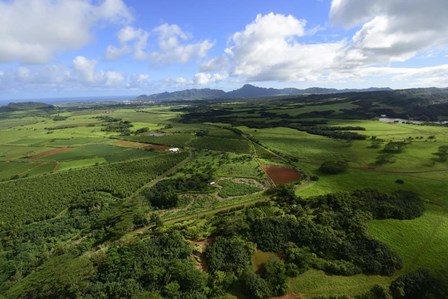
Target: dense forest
[(325, 232)]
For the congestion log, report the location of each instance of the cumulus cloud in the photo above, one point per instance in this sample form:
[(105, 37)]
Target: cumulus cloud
[(269, 49), (83, 73), (173, 45), (272, 47), (410, 76), (214, 64), (32, 31), (391, 30), (207, 78), (131, 40)]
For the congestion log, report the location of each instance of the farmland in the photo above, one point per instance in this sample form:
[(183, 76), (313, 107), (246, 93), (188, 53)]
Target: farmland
[(249, 188)]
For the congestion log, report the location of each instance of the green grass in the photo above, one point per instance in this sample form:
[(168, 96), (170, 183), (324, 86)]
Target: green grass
[(315, 283), (231, 188), (259, 258), (421, 242), (79, 163), (10, 152), (10, 169), (179, 140), (239, 169), (222, 144)]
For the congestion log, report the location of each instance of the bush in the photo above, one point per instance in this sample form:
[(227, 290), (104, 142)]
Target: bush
[(415, 285), (314, 178), (333, 167)]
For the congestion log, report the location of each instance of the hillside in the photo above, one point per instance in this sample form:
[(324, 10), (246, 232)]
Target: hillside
[(246, 91)]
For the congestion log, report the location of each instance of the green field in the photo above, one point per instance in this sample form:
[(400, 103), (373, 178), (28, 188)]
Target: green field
[(231, 188), (78, 194)]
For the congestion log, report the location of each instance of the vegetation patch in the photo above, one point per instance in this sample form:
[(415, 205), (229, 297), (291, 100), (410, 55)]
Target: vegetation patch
[(231, 188), (38, 198), (148, 146), (50, 152), (333, 167), (220, 144)]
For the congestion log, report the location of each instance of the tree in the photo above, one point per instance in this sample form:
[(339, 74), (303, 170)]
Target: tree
[(274, 272), (229, 255)]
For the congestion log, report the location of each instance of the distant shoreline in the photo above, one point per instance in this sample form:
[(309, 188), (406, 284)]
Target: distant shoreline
[(70, 100)]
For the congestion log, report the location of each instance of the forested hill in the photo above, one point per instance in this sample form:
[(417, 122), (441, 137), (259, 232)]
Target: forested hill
[(26, 106), (246, 91)]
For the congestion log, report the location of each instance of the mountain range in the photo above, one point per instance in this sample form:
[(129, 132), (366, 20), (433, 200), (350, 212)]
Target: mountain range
[(247, 91)]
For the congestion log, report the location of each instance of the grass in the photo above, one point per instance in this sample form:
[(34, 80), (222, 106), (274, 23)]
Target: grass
[(259, 258), (179, 140), (421, 242), (315, 283), (222, 144), (245, 169), (231, 188)]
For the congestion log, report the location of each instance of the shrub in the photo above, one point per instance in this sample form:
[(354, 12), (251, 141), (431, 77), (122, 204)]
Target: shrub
[(333, 167)]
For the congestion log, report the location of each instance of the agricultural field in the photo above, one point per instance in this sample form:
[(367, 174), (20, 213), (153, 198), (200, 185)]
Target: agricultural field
[(257, 198)]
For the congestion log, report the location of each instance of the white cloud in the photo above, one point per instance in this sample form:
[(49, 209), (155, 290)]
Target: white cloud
[(410, 77), (131, 40), (270, 49), (113, 79), (85, 72), (391, 30), (207, 78), (173, 46), (182, 81), (32, 31), (215, 64), (82, 74), (172, 43), (85, 69)]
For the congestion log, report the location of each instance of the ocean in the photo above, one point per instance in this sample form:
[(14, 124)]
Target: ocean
[(71, 99)]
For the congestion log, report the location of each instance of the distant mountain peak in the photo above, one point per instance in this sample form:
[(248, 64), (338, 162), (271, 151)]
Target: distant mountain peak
[(246, 91)]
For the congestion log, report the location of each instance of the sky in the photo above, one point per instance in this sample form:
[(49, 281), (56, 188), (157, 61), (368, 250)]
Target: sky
[(71, 48)]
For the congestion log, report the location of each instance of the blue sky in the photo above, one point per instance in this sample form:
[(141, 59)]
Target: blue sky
[(69, 48)]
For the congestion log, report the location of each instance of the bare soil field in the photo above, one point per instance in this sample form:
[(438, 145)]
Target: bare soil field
[(281, 175)]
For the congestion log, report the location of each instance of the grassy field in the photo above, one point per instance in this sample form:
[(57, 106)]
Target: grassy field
[(231, 188), (81, 154), (421, 243)]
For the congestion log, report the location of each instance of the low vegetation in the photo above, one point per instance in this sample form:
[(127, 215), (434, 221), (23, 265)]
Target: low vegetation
[(231, 188), (94, 206)]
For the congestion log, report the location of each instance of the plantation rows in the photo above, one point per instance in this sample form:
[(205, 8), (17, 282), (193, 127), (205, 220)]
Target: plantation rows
[(38, 198)]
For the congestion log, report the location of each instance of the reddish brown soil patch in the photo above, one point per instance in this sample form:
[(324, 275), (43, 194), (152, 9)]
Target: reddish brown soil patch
[(281, 175), (50, 152), (133, 144)]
